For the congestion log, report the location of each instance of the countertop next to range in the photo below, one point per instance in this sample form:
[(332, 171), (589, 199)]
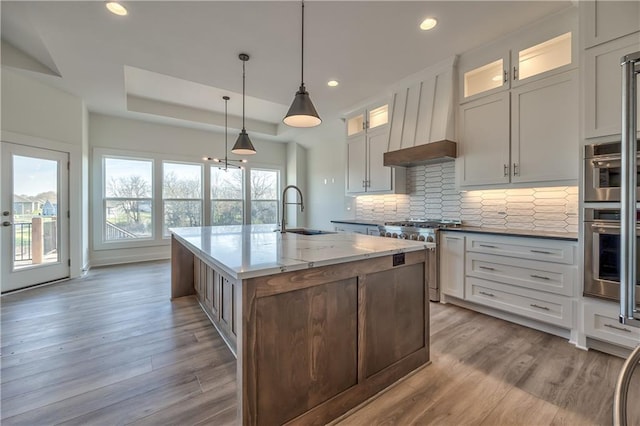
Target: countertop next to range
[(567, 236), (248, 251)]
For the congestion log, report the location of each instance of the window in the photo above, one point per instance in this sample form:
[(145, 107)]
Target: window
[(181, 195), (227, 198), (127, 198), (265, 187)]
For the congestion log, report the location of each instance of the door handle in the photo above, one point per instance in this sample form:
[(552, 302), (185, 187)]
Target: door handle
[(6, 223)]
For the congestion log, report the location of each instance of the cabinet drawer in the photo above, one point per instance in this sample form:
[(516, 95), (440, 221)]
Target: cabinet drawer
[(528, 248), (543, 307), (601, 322), (551, 277)]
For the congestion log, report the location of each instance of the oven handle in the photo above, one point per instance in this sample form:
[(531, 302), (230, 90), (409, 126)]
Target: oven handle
[(595, 226), (616, 159)]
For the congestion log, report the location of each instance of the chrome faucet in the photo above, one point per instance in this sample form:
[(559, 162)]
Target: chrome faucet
[(284, 203)]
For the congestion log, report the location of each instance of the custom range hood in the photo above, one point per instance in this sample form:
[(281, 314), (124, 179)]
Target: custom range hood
[(429, 153)]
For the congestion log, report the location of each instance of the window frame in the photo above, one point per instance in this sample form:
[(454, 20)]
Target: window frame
[(243, 199), (104, 199), (264, 167), (167, 236), (97, 183)]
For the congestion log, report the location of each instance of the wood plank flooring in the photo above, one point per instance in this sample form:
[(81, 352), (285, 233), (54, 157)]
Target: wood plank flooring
[(111, 348)]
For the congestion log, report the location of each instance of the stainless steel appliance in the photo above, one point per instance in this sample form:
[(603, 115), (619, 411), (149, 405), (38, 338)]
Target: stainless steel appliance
[(422, 230), (603, 172), (602, 258), (629, 310)]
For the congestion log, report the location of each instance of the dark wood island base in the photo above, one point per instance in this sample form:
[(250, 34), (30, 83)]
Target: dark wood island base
[(312, 344)]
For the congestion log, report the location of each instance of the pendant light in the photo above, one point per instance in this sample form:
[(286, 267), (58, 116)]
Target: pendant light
[(302, 113), (226, 162), (243, 145)]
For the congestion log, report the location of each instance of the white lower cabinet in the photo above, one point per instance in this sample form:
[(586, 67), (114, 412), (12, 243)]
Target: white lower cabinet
[(538, 305), (534, 278), (601, 322), (452, 264), (355, 228)]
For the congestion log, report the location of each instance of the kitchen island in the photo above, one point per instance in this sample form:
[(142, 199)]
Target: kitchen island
[(318, 323)]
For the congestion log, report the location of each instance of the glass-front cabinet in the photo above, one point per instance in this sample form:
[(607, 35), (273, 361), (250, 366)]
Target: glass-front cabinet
[(368, 119), (517, 66)]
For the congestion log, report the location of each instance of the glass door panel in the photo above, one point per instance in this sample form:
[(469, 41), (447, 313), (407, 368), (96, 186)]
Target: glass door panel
[(35, 231), (484, 78), (379, 116), (543, 57), (355, 125)]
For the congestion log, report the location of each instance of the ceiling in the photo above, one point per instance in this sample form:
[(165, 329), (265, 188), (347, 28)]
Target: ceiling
[(183, 56)]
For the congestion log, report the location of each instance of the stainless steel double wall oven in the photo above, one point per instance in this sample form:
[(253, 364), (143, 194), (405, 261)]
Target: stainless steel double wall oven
[(602, 253)]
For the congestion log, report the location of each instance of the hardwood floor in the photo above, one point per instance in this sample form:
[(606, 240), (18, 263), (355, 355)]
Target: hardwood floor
[(112, 348)]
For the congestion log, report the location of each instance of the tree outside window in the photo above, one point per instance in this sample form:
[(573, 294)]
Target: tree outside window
[(182, 195), (127, 198)]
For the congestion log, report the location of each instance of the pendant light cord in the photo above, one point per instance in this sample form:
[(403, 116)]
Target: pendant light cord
[(226, 162), (243, 78), (302, 56)]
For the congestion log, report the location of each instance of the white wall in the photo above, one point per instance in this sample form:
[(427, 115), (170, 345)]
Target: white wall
[(126, 135), (326, 167), (296, 175), (42, 116)]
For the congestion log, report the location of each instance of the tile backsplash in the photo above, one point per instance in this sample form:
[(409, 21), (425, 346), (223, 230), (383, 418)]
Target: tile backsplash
[(432, 193)]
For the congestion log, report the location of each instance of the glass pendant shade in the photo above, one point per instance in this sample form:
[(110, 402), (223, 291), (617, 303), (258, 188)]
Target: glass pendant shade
[(302, 113), (243, 145)]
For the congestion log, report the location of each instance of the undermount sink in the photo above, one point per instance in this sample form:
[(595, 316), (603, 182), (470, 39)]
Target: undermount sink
[(304, 231)]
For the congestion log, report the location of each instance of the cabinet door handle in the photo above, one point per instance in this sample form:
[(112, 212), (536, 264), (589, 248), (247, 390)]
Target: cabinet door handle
[(506, 170), (516, 172), (544, 308), (487, 294), (626, 330), (540, 251), (515, 73), (506, 76), (487, 246), (486, 268), (542, 277)]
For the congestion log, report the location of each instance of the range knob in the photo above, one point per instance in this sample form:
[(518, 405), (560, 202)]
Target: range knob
[(394, 235), (421, 238), (403, 236), (388, 235), (382, 234), (429, 239), (414, 237)]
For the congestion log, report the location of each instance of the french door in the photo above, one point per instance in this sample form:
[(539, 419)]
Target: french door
[(34, 202)]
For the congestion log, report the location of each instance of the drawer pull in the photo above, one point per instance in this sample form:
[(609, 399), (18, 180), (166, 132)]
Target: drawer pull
[(487, 246), (486, 268), (618, 328), (540, 251), (542, 277), (533, 305), (487, 294)]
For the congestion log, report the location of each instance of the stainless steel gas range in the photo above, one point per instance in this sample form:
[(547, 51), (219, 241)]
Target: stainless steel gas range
[(422, 230)]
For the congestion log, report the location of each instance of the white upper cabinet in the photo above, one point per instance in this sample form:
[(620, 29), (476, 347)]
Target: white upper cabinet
[(538, 53), (606, 20), (367, 141), (484, 151), (544, 129), (519, 113), (610, 30), (422, 108)]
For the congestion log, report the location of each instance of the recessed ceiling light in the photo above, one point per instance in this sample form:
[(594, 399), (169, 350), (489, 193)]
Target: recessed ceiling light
[(428, 24), (116, 8), (332, 83)]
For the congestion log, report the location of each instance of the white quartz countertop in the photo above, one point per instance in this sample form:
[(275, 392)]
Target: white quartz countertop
[(248, 251)]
